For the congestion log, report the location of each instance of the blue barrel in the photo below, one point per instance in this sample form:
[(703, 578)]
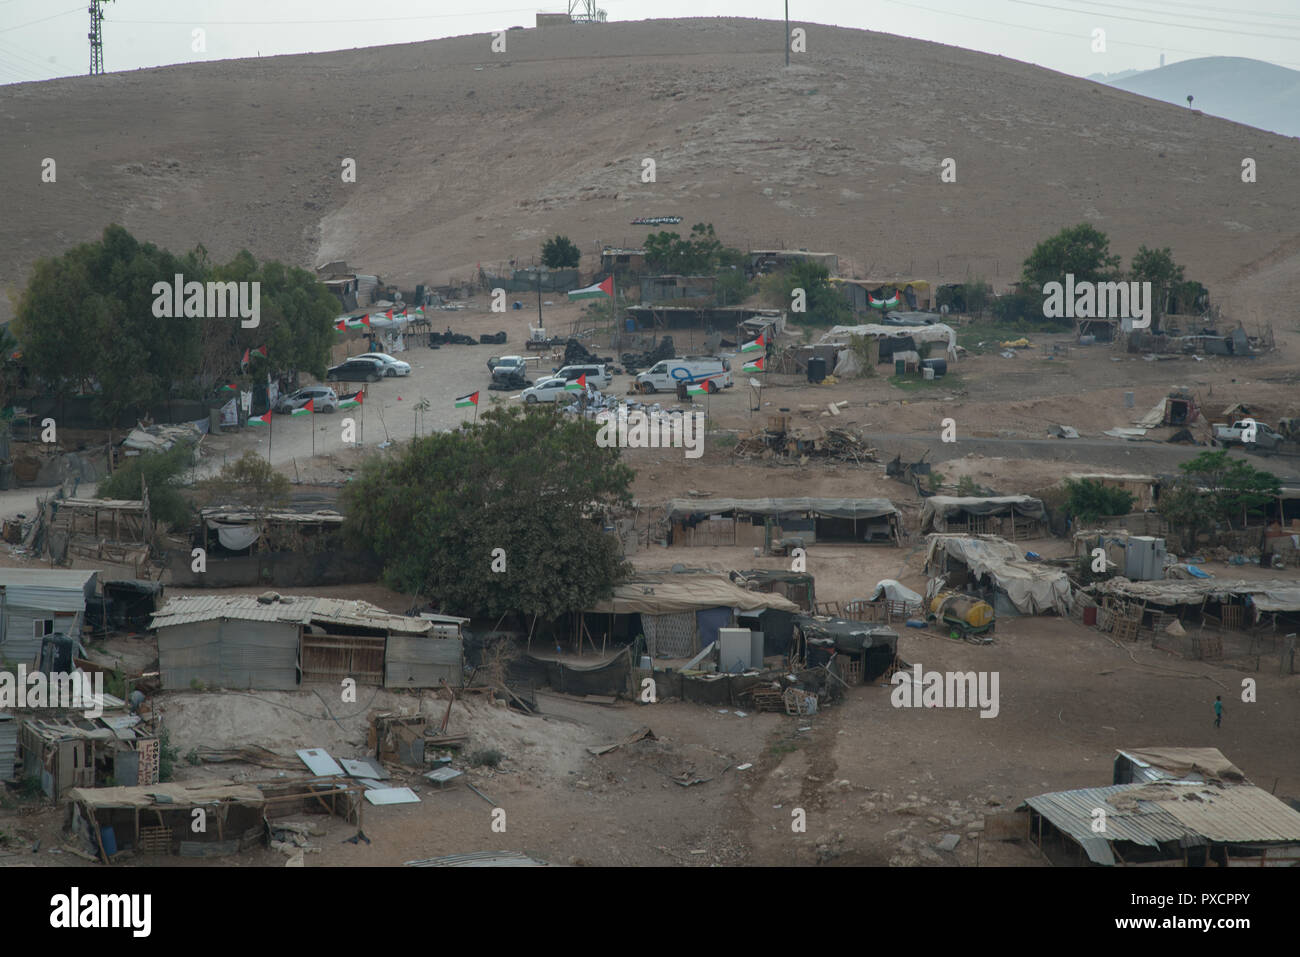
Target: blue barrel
[(940, 366)]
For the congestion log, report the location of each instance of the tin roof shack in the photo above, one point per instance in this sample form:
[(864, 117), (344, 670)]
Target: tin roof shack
[(8, 746), (723, 319), (779, 260), (274, 642), (622, 262), (1176, 807), (993, 569), (35, 603), (289, 549), (912, 293), (1011, 516), (679, 613), (666, 288), (159, 818), (737, 521), (106, 530), (855, 651), (71, 751), (796, 586)]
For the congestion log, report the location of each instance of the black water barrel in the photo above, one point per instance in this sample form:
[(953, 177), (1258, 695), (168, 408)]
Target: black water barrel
[(816, 369), (940, 366)]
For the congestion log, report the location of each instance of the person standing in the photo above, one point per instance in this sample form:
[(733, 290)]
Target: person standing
[(1218, 711)]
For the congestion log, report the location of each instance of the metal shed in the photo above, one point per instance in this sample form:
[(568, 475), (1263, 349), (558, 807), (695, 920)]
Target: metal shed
[(8, 746), (39, 602)]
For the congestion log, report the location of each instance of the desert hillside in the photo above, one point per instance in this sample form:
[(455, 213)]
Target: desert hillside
[(466, 156)]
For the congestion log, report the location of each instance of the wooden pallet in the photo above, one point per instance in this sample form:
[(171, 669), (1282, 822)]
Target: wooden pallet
[(155, 840)]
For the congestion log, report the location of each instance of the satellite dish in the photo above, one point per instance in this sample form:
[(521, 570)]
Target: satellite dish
[(755, 383)]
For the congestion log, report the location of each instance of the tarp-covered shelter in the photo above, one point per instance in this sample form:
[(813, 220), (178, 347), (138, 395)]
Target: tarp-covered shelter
[(1011, 516), (738, 521), (1265, 596), (995, 570), (871, 647), (241, 641), (938, 332), (680, 612), (36, 602)]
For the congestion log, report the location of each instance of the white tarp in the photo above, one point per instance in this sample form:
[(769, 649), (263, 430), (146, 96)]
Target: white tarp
[(235, 537), (888, 588), (938, 332), (1032, 587)]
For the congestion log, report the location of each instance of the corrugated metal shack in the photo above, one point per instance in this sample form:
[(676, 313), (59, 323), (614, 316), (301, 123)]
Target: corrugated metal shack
[(39, 602), (70, 751), (8, 746), (737, 521), (275, 642)]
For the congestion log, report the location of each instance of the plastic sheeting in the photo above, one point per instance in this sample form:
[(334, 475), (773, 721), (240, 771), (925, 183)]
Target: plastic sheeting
[(1032, 588), (935, 333), (938, 509), (235, 537), (888, 588)]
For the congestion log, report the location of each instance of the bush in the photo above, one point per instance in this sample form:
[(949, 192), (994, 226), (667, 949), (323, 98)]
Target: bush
[(1088, 501), (164, 473), (485, 758), (167, 756)]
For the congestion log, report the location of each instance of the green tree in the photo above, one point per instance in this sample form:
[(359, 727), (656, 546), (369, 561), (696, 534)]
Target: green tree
[(1157, 267), (1230, 488), (824, 303), (1082, 251), (560, 253), (251, 481), (977, 295), (164, 474), (732, 286), (527, 481), (1183, 507), (699, 254), (1087, 501)]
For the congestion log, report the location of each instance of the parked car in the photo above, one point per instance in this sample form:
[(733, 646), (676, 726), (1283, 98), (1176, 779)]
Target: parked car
[(554, 389), (322, 397), (356, 369), (664, 376), (504, 367), (1266, 439), (597, 375), (392, 367)]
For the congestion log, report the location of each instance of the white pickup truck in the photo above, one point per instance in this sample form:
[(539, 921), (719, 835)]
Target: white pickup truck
[(1249, 433)]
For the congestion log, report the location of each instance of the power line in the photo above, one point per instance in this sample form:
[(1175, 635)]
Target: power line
[(271, 23), (1062, 33), (1159, 23), (52, 16), (1195, 6)]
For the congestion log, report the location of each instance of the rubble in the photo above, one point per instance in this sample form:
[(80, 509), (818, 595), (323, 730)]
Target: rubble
[(810, 442)]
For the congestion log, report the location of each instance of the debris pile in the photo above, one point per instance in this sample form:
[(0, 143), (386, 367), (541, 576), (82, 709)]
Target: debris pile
[(635, 361), (810, 442), (576, 354)]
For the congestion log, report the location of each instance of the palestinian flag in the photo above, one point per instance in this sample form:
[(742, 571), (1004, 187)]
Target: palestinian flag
[(249, 353), (354, 321), (341, 326), (260, 419), (891, 303), (229, 387), (351, 401), (698, 388), (307, 409), (602, 290), (755, 346), (755, 366), (465, 401), (577, 385)]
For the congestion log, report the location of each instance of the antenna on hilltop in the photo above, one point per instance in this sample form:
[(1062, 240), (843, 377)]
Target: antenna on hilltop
[(585, 11), (96, 37)]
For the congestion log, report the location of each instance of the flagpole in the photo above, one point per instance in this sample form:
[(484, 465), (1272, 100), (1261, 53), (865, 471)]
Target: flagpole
[(270, 439)]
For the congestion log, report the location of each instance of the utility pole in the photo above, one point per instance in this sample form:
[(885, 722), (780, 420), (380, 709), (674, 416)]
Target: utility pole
[(96, 37), (787, 32)]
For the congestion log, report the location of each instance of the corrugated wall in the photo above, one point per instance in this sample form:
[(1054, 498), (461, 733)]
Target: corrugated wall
[(191, 652), (8, 746), (259, 654), (419, 662)]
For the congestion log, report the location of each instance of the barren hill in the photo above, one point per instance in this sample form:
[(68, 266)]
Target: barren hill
[(467, 156)]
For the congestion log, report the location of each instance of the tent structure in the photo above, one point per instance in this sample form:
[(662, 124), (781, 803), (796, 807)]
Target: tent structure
[(739, 521), (1266, 596), (939, 332), (1017, 516), (993, 568)]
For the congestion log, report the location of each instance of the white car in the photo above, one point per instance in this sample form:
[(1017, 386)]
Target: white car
[(392, 367), (550, 390)]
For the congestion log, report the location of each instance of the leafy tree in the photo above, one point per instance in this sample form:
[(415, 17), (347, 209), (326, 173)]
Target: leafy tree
[(732, 286), (1157, 267), (1232, 488), (977, 295), (699, 254), (1082, 251), (824, 304), (1087, 501), (1183, 507), (560, 253), (251, 481), (164, 473), (526, 481)]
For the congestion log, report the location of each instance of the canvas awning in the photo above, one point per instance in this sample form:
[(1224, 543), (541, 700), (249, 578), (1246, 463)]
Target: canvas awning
[(944, 507), (1267, 595), (680, 508), (1032, 587), (672, 594)]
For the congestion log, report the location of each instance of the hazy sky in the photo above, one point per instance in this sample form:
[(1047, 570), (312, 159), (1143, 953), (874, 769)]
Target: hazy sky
[(40, 39)]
